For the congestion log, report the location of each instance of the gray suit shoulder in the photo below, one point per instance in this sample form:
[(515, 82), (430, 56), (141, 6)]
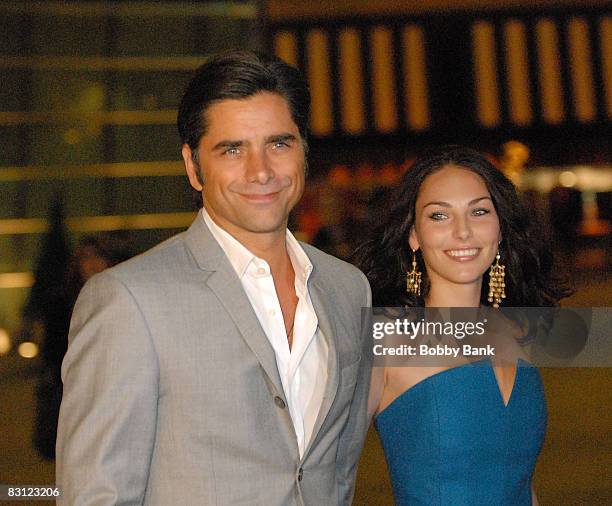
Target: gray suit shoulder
[(163, 261), (330, 267)]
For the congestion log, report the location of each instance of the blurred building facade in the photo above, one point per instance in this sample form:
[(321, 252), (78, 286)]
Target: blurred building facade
[(477, 72), (88, 115)]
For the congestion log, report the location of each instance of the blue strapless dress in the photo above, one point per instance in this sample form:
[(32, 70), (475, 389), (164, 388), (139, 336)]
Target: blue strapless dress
[(450, 440)]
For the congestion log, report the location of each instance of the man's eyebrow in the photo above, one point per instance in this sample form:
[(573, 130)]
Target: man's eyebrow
[(226, 144), (446, 204), (281, 138)]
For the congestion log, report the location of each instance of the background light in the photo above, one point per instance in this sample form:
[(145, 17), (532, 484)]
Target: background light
[(28, 349), (5, 342), (568, 179)]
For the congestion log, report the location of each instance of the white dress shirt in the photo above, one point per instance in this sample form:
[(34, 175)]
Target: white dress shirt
[(303, 368)]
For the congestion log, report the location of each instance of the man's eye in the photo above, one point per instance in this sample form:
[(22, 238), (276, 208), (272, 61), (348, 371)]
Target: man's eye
[(480, 211), (232, 151), (438, 216), (280, 145)]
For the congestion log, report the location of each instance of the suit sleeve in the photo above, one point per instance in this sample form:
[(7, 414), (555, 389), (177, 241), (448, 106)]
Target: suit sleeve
[(108, 414), (353, 435)]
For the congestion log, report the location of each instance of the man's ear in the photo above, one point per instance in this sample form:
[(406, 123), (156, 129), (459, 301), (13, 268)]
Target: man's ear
[(192, 168), (413, 241)]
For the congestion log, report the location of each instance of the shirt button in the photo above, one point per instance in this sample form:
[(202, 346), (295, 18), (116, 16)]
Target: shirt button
[(261, 271), (279, 402), (300, 474), (271, 312)]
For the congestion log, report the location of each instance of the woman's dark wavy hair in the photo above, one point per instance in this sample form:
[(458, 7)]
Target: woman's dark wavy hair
[(386, 257)]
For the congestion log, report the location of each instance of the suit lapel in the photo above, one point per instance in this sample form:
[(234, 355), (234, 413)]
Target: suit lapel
[(322, 306), (225, 284), (230, 293)]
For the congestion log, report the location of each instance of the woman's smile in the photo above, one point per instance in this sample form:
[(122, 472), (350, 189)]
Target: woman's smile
[(463, 255)]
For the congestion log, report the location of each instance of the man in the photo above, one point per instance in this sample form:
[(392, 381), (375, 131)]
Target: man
[(224, 366)]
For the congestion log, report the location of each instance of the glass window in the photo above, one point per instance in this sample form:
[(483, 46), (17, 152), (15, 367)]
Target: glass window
[(153, 36), (212, 35), (14, 93), (10, 193), (148, 90), (152, 195), (14, 140), (85, 196), (145, 142), (68, 91), (12, 28), (68, 35), (69, 144)]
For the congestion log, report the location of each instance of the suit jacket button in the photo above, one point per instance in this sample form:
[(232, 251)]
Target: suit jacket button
[(279, 402), (300, 474)]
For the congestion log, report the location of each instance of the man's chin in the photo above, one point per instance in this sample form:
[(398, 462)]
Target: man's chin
[(267, 229), (263, 224)]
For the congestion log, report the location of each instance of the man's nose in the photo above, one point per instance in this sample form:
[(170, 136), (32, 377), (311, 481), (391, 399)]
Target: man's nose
[(258, 168)]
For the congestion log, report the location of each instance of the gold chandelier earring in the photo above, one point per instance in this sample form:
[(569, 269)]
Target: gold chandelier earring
[(413, 278), (497, 285)]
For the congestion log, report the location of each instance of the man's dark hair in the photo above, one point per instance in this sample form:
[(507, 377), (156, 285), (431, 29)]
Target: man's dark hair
[(240, 75)]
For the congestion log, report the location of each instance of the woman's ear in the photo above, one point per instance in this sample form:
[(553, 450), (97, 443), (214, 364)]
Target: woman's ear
[(413, 241)]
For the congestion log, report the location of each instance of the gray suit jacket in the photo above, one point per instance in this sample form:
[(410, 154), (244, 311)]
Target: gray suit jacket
[(172, 395)]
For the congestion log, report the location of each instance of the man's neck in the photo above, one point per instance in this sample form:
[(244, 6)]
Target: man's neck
[(269, 246)]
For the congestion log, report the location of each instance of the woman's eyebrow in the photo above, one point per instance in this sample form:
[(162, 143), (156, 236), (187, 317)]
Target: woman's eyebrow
[(446, 204)]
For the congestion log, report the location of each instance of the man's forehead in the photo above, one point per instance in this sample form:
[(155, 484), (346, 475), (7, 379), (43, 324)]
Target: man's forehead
[(255, 118), (262, 104)]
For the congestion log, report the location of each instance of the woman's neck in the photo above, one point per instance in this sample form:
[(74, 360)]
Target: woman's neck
[(454, 295)]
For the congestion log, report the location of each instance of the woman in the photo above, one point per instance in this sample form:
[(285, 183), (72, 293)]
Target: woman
[(456, 235)]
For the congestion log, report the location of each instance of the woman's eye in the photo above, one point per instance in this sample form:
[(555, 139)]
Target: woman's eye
[(480, 212), (438, 216)]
